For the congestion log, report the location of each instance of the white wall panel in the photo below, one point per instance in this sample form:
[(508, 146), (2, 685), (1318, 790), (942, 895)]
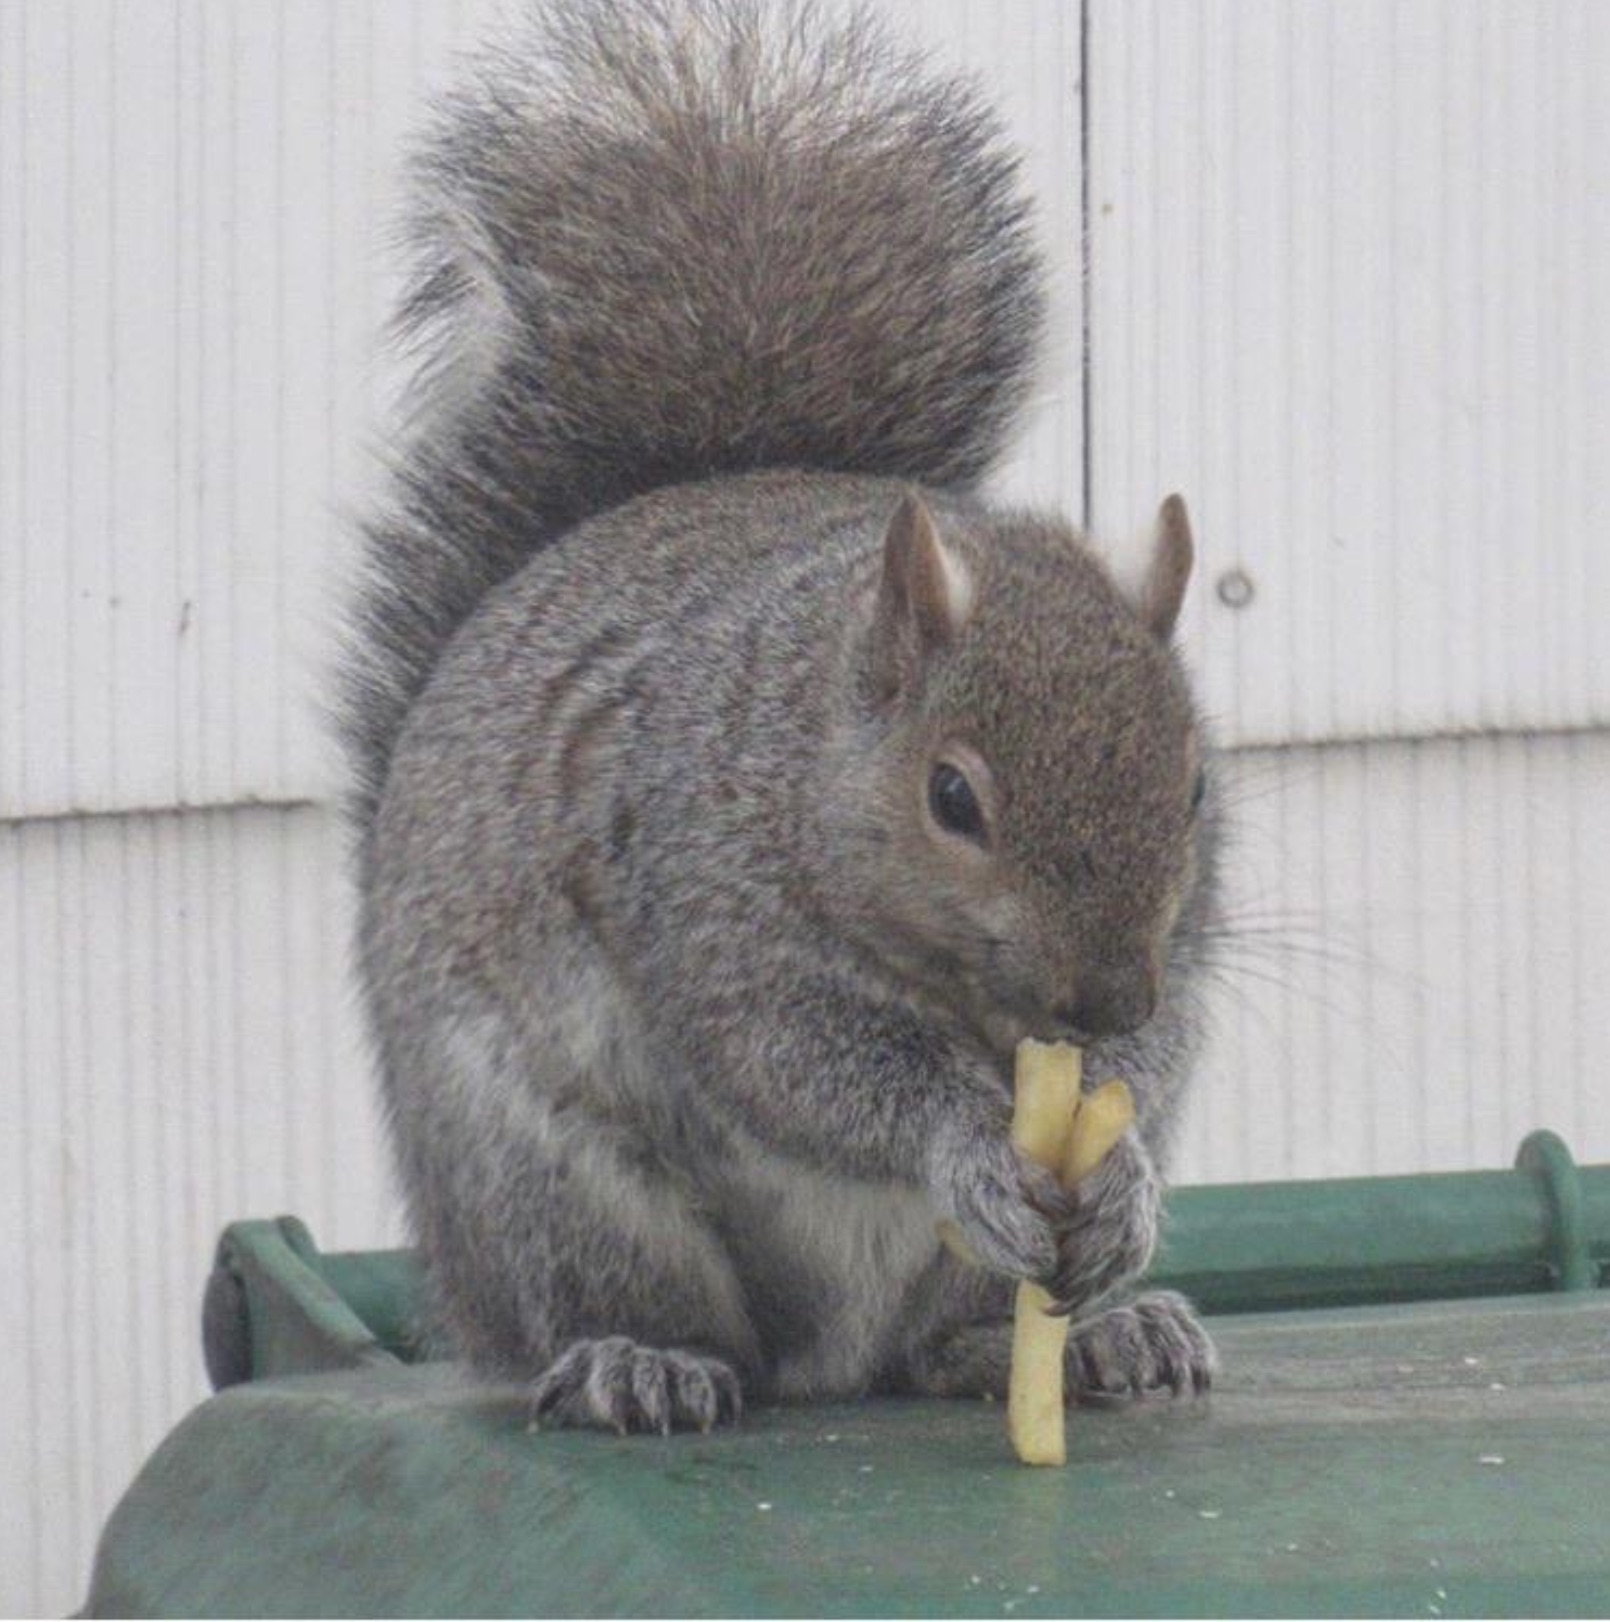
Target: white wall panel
[(191, 279), (179, 1049), (195, 200), (1415, 987), (1348, 292)]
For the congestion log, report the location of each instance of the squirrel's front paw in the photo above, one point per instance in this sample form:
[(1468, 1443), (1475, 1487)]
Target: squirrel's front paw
[(1110, 1236), (618, 1385), (1009, 1209), (1154, 1343)]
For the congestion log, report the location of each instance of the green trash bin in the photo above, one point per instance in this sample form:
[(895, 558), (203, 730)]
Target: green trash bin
[(1413, 1419)]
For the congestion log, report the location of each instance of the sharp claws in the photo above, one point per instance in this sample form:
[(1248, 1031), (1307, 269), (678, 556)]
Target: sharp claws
[(614, 1386)]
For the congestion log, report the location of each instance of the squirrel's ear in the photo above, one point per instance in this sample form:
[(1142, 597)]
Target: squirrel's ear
[(924, 598), (1160, 591)]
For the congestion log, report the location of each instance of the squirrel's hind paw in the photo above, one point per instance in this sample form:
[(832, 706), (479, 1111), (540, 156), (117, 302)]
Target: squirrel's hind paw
[(615, 1384), (1154, 1343)]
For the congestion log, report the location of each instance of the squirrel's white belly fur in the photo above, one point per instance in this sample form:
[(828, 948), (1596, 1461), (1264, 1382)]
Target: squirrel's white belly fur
[(857, 1249), (852, 1250)]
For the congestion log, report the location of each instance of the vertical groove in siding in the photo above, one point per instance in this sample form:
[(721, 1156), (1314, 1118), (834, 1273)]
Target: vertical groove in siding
[(187, 407), (64, 1216), (1577, 935), (238, 328), (13, 375), (21, 1533), (287, 241), (20, 1542)]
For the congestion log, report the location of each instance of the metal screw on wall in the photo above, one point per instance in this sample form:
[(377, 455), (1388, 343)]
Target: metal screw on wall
[(1235, 588)]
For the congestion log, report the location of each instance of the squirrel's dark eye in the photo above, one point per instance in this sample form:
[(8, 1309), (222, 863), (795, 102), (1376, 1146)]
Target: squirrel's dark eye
[(1198, 792), (953, 803)]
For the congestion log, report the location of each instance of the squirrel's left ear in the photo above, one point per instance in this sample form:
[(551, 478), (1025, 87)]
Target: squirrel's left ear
[(1160, 590), (924, 599)]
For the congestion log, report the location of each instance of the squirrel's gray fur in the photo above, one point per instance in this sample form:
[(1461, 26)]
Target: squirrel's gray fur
[(693, 1015)]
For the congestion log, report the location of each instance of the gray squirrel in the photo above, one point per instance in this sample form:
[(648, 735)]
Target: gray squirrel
[(736, 785)]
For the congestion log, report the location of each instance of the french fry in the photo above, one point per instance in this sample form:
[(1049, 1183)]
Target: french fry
[(1070, 1134), (1046, 1103), (1104, 1117)]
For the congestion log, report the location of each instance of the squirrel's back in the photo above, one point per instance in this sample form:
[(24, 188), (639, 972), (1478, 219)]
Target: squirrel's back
[(669, 239)]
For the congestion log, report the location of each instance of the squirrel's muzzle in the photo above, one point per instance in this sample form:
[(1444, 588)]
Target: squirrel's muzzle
[(1110, 1002)]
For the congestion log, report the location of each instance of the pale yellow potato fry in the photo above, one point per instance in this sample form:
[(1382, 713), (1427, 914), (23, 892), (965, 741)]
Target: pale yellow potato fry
[(1044, 1116), (1104, 1117), (1054, 1125), (1045, 1098), (1035, 1394), (1046, 1102)]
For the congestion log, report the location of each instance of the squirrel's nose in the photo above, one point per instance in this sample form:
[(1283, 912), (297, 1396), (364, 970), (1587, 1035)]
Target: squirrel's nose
[(1110, 1004)]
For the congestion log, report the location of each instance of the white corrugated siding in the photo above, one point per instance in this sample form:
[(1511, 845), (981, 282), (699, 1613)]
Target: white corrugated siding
[(179, 1049), (1416, 985), (1348, 293), (193, 205), (191, 273)]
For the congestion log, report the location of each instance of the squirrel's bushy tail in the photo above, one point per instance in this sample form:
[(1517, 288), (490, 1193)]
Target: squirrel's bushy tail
[(662, 239)]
